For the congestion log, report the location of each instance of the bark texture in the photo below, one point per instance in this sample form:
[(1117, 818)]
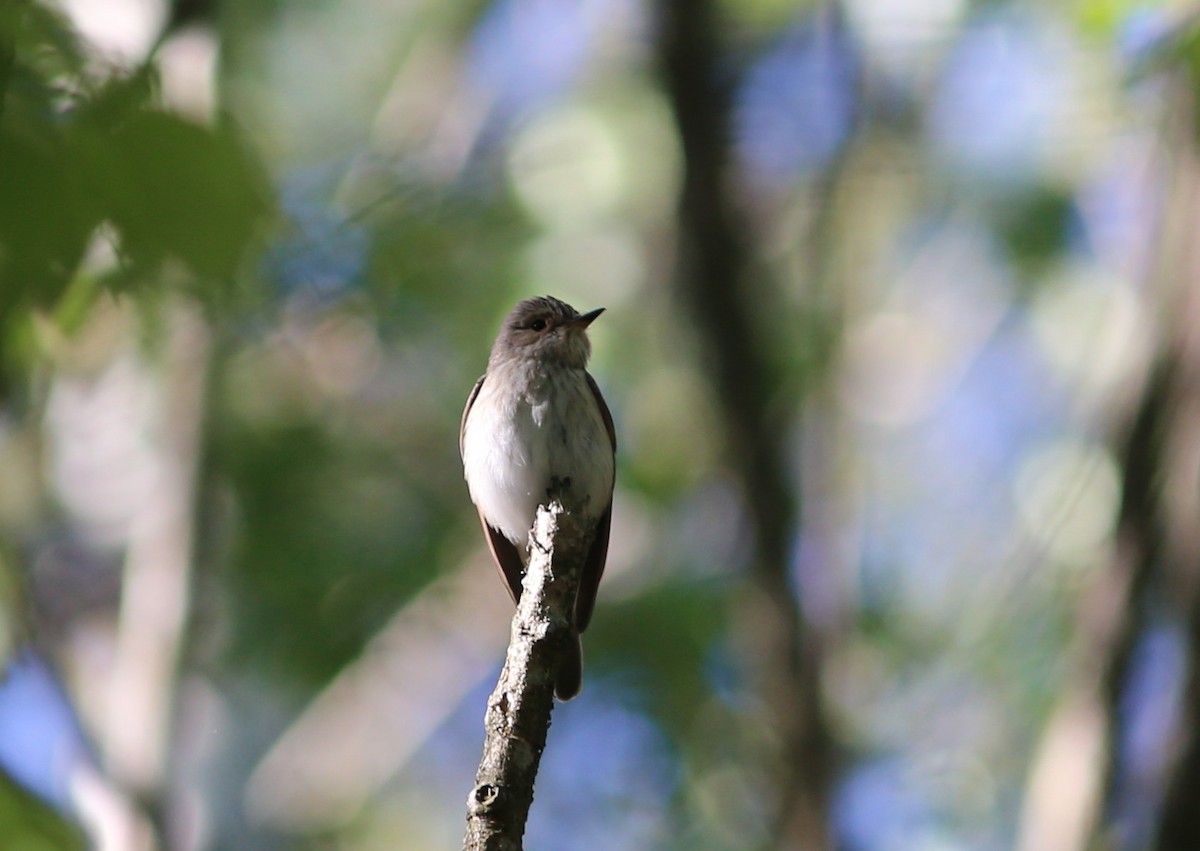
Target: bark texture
[(518, 712)]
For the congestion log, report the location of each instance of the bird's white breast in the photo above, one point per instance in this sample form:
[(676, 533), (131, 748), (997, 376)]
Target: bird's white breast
[(526, 432)]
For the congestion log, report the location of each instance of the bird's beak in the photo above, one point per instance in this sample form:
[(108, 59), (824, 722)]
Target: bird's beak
[(586, 319)]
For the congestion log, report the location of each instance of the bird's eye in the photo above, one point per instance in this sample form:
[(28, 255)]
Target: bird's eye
[(538, 325)]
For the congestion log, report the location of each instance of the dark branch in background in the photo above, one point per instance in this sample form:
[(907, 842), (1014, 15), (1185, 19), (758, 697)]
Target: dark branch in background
[(1114, 613), (1174, 541), (1179, 828), (1178, 478), (1115, 627), (1151, 577), (714, 286), (518, 712), (1080, 745)]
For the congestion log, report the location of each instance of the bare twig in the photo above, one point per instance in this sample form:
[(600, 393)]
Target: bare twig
[(518, 712)]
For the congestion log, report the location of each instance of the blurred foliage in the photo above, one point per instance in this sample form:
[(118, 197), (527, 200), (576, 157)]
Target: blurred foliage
[(688, 622), (81, 153), (324, 544), (27, 824), (1034, 228), (1104, 18)]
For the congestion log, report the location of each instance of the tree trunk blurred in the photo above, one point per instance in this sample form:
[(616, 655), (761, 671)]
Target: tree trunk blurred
[(781, 649)]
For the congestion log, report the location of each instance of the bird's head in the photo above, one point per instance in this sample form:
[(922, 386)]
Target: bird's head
[(548, 330)]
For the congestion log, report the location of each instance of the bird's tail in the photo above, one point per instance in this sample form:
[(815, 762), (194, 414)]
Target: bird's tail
[(570, 676)]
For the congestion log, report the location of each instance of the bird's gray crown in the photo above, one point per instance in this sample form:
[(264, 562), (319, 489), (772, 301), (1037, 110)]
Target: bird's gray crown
[(545, 330), (545, 308)]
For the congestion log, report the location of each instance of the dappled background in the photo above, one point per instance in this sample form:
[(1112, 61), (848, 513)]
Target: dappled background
[(901, 344)]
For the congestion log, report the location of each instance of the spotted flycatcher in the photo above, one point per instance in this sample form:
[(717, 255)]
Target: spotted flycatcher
[(536, 426)]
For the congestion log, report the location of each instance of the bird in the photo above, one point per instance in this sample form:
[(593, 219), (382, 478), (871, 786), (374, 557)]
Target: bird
[(536, 426)]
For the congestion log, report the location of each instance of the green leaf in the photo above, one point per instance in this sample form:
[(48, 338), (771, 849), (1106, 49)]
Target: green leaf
[(173, 188), (45, 220), (29, 825)]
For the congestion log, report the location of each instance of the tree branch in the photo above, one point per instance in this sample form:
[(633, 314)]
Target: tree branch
[(1180, 457), (518, 712)]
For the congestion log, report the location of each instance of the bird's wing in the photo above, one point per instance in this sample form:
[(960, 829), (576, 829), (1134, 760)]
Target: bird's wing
[(593, 568), (507, 558), (462, 425), (605, 413), (504, 552)]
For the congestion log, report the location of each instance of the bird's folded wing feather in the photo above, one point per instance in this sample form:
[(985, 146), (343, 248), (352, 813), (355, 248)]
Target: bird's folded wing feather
[(593, 567)]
